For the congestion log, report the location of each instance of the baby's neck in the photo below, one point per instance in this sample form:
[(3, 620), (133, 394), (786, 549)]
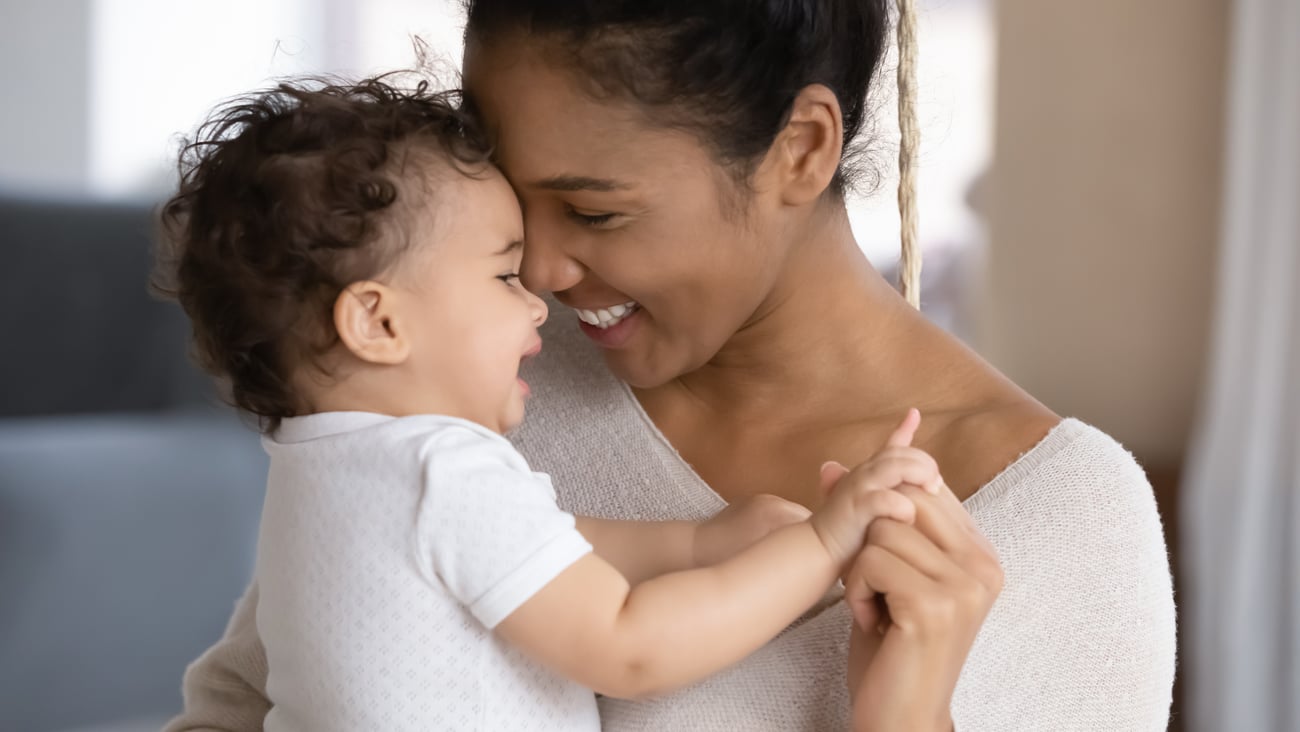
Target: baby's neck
[(358, 387)]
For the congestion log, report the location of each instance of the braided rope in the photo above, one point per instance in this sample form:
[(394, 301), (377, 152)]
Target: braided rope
[(910, 264)]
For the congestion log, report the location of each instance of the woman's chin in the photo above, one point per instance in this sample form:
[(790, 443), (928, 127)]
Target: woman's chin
[(638, 371)]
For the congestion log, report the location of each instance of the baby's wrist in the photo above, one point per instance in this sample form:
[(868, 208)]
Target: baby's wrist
[(836, 553)]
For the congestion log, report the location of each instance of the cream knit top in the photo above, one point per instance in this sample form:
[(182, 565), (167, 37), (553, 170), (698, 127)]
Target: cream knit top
[(1081, 638)]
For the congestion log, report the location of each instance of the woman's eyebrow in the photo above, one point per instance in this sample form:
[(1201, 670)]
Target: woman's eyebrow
[(579, 183)]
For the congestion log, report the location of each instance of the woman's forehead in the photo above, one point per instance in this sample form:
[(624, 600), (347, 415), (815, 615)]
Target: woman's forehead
[(545, 126)]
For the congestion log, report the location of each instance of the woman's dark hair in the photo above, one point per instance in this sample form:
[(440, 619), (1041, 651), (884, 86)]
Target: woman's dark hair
[(287, 196), (727, 70)]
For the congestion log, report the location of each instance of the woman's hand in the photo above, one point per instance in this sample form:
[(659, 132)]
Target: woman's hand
[(919, 593)]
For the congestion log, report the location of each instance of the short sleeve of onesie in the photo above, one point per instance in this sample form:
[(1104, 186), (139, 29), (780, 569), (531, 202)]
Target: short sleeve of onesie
[(489, 527)]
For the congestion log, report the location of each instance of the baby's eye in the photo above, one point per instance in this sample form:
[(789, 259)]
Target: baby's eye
[(509, 277)]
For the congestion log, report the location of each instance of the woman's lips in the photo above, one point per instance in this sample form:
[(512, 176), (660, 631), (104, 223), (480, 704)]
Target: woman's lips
[(608, 316), (615, 336)]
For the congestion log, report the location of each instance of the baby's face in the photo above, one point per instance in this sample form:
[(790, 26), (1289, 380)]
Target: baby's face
[(471, 322)]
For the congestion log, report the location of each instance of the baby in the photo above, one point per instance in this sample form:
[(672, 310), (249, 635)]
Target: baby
[(349, 259)]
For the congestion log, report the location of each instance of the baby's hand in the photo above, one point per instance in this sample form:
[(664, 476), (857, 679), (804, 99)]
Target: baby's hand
[(865, 493), (741, 524)]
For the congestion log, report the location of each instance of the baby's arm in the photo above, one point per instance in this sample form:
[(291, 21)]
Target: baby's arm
[(640, 550), (590, 625)]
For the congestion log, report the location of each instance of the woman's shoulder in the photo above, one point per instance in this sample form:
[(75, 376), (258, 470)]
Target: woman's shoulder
[(1070, 462), (1087, 608), (1076, 507), (1062, 480)]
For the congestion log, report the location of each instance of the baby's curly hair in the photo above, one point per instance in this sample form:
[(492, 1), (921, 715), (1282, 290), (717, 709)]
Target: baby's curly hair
[(286, 196)]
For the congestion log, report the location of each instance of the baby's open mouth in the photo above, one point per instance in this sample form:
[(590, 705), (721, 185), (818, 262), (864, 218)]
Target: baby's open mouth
[(532, 351)]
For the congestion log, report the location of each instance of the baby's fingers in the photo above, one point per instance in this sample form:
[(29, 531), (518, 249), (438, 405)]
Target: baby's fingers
[(904, 432), (910, 468), (904, 453), (896, 505)]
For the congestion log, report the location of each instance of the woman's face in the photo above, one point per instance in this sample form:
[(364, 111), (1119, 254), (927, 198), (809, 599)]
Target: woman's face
[(636, 228)]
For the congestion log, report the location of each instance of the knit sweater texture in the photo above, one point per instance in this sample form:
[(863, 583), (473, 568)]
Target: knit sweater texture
[(1082, 636)]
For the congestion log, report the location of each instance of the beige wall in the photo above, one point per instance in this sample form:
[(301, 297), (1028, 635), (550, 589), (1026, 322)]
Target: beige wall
[(1104, 207)]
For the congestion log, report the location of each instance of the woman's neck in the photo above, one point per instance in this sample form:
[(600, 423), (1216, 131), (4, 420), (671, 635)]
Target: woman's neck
[(832, 342)]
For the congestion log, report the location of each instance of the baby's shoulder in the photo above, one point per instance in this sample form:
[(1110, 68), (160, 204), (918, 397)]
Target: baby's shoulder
[(425, 446)]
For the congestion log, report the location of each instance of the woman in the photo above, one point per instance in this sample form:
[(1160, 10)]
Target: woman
[(682, 168)]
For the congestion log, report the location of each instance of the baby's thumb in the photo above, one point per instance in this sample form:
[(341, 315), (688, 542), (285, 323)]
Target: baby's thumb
[(831, 472)]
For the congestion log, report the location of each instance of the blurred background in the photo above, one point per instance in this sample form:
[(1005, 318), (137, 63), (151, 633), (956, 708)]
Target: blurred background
[(1109, 196)]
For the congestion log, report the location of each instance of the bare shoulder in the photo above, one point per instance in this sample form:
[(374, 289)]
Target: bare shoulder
[(974, 445)]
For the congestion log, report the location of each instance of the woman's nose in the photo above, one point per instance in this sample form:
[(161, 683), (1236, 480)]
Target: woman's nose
[(547, 266)]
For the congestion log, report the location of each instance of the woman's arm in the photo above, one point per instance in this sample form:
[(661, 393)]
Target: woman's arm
[(225, 689)]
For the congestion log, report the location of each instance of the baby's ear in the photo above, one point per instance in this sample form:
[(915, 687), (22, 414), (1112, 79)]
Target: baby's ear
[(365, 318)]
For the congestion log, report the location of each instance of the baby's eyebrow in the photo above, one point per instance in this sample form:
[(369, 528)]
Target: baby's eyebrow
[(512, 246)]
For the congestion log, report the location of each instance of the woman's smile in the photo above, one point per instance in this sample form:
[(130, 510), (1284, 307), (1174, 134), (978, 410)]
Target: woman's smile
[(606, 317), (613, 327)]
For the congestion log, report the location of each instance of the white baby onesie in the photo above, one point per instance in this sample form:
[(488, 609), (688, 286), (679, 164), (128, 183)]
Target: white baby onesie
[(389, 549)]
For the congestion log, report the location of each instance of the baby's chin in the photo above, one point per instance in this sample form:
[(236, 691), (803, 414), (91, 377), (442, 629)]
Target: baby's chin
[(510, 425)]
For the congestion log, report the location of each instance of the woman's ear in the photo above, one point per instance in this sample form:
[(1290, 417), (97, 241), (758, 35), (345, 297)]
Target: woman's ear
[(806, 153), (365, 317)]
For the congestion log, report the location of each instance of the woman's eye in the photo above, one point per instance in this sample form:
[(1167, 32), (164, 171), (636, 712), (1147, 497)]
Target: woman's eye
[(509, 277), (595, 221)]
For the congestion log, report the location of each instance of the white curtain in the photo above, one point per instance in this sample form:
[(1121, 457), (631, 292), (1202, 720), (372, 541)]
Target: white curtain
[(1241, 500)]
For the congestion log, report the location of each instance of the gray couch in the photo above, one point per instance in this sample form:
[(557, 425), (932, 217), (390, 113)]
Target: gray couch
[(129, 498)]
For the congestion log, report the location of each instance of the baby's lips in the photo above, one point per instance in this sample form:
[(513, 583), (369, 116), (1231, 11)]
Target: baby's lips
[(533, 350)]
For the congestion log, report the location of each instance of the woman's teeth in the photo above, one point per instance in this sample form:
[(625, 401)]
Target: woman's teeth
[(607, 317)]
